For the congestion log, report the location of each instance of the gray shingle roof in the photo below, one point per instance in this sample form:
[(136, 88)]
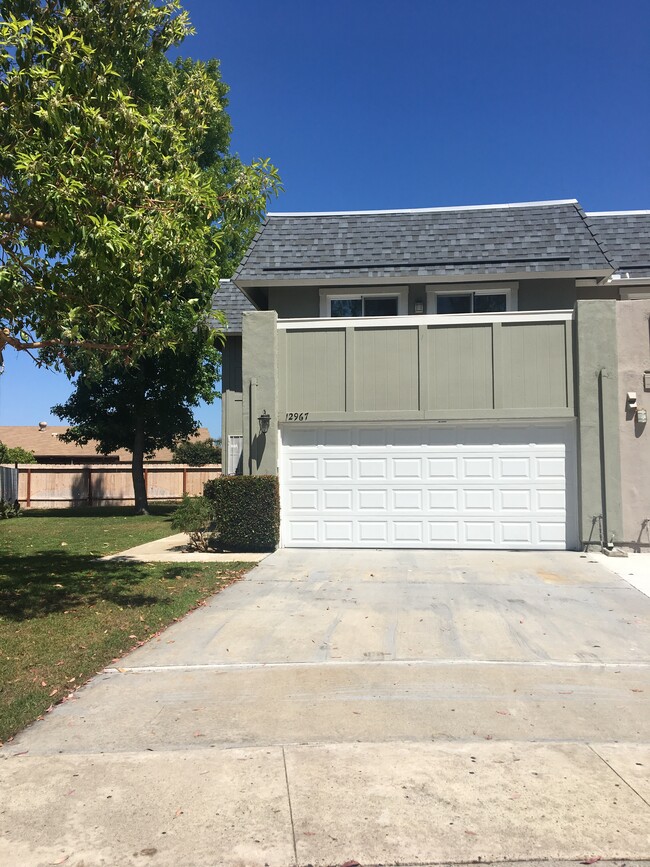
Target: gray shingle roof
[(233, 303), (534, 237), (626, 239)]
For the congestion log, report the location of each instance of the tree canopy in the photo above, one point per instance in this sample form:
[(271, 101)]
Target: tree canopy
[(197, 453), (146, 407), (120, 203), (16, 455)]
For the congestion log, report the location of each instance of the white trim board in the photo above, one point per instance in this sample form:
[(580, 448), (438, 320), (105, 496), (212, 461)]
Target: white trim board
[(442, 209), (420, 319)]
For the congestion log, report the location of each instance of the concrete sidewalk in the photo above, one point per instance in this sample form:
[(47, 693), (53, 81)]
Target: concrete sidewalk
[(174, 549), (401, 707)]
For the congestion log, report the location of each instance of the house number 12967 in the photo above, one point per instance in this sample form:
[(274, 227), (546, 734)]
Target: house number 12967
[(296, 416)]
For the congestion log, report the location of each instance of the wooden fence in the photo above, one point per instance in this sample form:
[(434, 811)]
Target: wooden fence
[(59, 486)]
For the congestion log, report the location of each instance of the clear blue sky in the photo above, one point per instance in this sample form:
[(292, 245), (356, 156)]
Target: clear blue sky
[(421, 103)]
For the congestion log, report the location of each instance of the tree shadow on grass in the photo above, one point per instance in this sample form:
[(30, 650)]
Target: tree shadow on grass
[(35, 585), (163, 510)]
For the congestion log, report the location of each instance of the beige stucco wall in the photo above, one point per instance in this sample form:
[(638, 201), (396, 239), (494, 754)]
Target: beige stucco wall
[(633, 331)]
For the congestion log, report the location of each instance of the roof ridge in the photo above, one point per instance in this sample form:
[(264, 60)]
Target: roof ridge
[(494, 207), (609, 257)]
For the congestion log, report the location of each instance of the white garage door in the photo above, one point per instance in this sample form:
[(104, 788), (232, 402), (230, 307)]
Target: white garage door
[(433, 486)]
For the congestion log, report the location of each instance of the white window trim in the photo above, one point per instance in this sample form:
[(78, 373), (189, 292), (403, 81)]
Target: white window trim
[(400, 292), (507, 289)]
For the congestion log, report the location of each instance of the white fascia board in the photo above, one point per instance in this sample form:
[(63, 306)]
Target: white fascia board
[(620, 280), (616, 213), (429, 319), (542, 204)]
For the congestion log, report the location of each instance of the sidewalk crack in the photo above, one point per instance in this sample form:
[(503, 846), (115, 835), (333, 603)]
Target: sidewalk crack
[(629, 785), (293, 828)]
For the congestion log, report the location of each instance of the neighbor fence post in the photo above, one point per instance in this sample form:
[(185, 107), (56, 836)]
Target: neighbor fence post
[(184, 480), (29, 487)]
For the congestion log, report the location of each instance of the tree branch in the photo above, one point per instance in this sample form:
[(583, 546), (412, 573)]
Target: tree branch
[(28, 222), (7, 339)]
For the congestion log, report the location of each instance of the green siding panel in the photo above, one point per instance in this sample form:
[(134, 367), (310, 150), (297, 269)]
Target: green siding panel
[(534, 358), (386, 369), (460, 367), (315, 371)]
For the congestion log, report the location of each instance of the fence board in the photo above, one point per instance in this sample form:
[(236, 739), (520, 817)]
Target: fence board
[(54, 486)]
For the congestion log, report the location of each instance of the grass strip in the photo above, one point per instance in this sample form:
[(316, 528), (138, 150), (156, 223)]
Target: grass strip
[(64, 616)]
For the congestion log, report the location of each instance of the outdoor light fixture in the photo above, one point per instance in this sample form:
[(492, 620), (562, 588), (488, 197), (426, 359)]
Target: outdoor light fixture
[(265, 421)]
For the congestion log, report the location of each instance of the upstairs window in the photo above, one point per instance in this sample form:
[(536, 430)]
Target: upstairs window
[(374, 301), (466, 300), (364, 306)]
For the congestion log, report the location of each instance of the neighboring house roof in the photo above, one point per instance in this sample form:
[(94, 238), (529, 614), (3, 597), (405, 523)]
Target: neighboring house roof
[(45, 443), (625, 237), (230, 300), (530, 237)]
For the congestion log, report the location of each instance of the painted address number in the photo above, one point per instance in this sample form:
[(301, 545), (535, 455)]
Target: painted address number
[(297, 416)]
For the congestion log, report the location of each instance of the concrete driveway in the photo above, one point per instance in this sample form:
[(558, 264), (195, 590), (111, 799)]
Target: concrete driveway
[(390, 707)]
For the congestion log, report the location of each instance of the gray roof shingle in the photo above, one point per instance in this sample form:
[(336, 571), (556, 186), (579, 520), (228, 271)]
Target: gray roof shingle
[(501, 240), (233, 303), (626, 239)]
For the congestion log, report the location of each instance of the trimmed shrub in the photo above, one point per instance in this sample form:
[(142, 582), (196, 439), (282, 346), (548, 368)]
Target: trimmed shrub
[(9, 510), (247, 511), (195, 516)]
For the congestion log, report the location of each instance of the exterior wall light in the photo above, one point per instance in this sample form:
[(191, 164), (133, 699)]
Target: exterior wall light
[(642, 416), (265, 422)]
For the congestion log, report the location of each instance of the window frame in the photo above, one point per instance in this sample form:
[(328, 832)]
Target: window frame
[(507, 289), (329, 295)]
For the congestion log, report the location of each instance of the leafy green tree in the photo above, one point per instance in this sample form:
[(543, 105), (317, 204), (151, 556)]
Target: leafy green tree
[(147, 407), (16, 455), (197, 454), (120, 204)]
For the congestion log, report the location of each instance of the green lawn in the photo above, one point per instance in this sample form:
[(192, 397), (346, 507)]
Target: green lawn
[(64, 616)]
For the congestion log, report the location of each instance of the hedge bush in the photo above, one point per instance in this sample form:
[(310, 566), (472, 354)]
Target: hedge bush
[(247, 511)]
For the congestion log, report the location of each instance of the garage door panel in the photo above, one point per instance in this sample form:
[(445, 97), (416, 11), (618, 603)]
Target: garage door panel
[(372, 468), (550, 500), (372, 499), (303, 531), (551, 532), (338, 531), (406, 468), (481, 533), (442, 500), (477, 499), (444, 533), (337, 468), (442, 468), (427, 486), (303, 468), (514, 500), (337, 500), (550, 468), (408, 532), (514, 468), (375, 532), (303, 500), (407, 499)]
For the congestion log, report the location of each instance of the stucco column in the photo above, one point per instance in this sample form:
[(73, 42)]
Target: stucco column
[(598, 420), (260, 391)]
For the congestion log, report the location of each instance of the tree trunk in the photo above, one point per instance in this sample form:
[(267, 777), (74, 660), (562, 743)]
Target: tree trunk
[(137, 467)]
